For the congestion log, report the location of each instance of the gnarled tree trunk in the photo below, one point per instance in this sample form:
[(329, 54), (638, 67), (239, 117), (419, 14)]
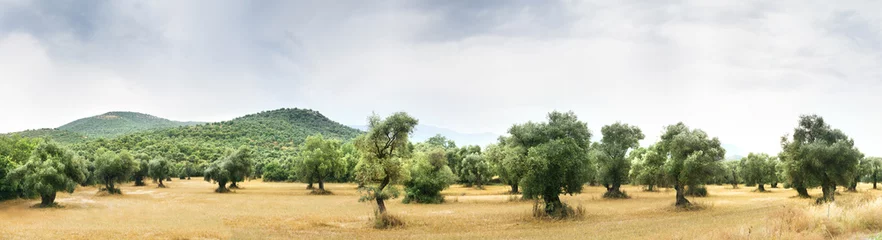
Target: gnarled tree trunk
[(760, 187), (160, 183), (379, 196), (514, 189), (234, 186), (221, 187), (681, 196), (47, 200)]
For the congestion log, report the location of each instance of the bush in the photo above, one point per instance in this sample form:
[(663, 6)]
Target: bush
[(696, 191), (429, 176), (386, 221), (277, 171), (563, 213), (621, 194)]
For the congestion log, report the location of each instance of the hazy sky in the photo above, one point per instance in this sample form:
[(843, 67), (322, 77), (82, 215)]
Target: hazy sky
[(741, 70)]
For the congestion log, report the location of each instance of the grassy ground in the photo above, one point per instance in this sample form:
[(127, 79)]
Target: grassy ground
[(189, 209)]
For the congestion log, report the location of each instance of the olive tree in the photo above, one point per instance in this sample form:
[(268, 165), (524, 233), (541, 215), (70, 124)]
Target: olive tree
[(819, 155), (319, 159), (874, 170), (647, 167), (50, 169), (112, 168), (507, 162), (733, 169), (218, 172), (240, 165), (429, 176), (143, 169), (755, 170), (382, 150), (159, 169), (693, 156), (610, 156), (475, 171), (559, 163)]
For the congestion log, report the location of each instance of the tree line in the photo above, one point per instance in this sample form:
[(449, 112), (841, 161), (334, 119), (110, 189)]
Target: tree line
[(538, 160)]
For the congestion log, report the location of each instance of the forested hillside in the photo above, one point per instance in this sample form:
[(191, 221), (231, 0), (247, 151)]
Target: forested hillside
[(61, 136), (114, 124), (274, 134)]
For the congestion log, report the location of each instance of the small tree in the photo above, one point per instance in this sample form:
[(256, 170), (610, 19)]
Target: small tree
[(381, 150), (863, 169), (319, 159), (429, 176), (693, 157), (240, 165), (475, 171), (160, 169), (647, 167), (874, 172), (112, 168), (218, 171), (143, 169), (733, 169), (610, 156), (755, 170), (560, 164), (50, 169), (507, 162)]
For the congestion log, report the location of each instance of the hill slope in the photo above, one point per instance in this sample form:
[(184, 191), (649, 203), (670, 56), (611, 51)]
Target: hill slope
[(61, 136), (114, 124), (275, 134)]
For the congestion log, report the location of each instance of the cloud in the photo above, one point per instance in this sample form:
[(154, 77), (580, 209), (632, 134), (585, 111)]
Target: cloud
[(741, 70)]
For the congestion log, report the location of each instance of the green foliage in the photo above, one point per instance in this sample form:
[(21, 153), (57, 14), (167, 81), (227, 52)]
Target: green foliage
[(508, 161), (732, 169), (647, 167), (429, 176), (218, 172), (874, 170), (114, 124), (759, 169), (455, 159), (558, 162), (474, 171), (382, 149), (319, 159), (14, 151), (819, 155), (143, 169), (240, 167), (278, 171), (50, 169), (609, 156), (159, 170), (112, 168), (693, 157), (184, 169), (56, 135)]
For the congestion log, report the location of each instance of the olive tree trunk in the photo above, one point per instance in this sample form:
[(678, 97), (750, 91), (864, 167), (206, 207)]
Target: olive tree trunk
[(47, 200), (514, 188), (681, 196), (221, 187), (160, 183), (381, 205), (760, 187)]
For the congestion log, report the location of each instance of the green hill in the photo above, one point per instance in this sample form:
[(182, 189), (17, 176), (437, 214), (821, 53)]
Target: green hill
[(274, 134), (114, 124), (62, 136)]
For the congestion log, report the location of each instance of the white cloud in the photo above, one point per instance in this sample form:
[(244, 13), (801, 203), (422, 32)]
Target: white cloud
[(741, 70)]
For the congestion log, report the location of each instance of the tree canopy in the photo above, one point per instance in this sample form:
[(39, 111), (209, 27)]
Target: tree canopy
[(429, 176), (693, 156), (50, 169), (319, 159), (610, 156), (558, 162), (819, 155), (112, 168), (382, 149)]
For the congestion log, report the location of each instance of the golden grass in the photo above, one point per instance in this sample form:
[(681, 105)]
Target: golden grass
[(189, 209)]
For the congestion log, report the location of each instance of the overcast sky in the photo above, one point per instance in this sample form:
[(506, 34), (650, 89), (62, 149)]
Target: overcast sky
[(741, 70)]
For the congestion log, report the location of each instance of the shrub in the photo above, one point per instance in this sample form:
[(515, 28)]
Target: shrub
[(563, 212), (429, 176), (383, 220)]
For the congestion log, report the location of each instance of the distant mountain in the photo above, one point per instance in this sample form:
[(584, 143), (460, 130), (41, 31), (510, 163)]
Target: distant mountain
[(424, 132), (270, 130), (114, 124), (733, 152)]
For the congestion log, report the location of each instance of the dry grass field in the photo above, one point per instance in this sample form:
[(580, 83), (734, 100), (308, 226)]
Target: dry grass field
[(189, 209)]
